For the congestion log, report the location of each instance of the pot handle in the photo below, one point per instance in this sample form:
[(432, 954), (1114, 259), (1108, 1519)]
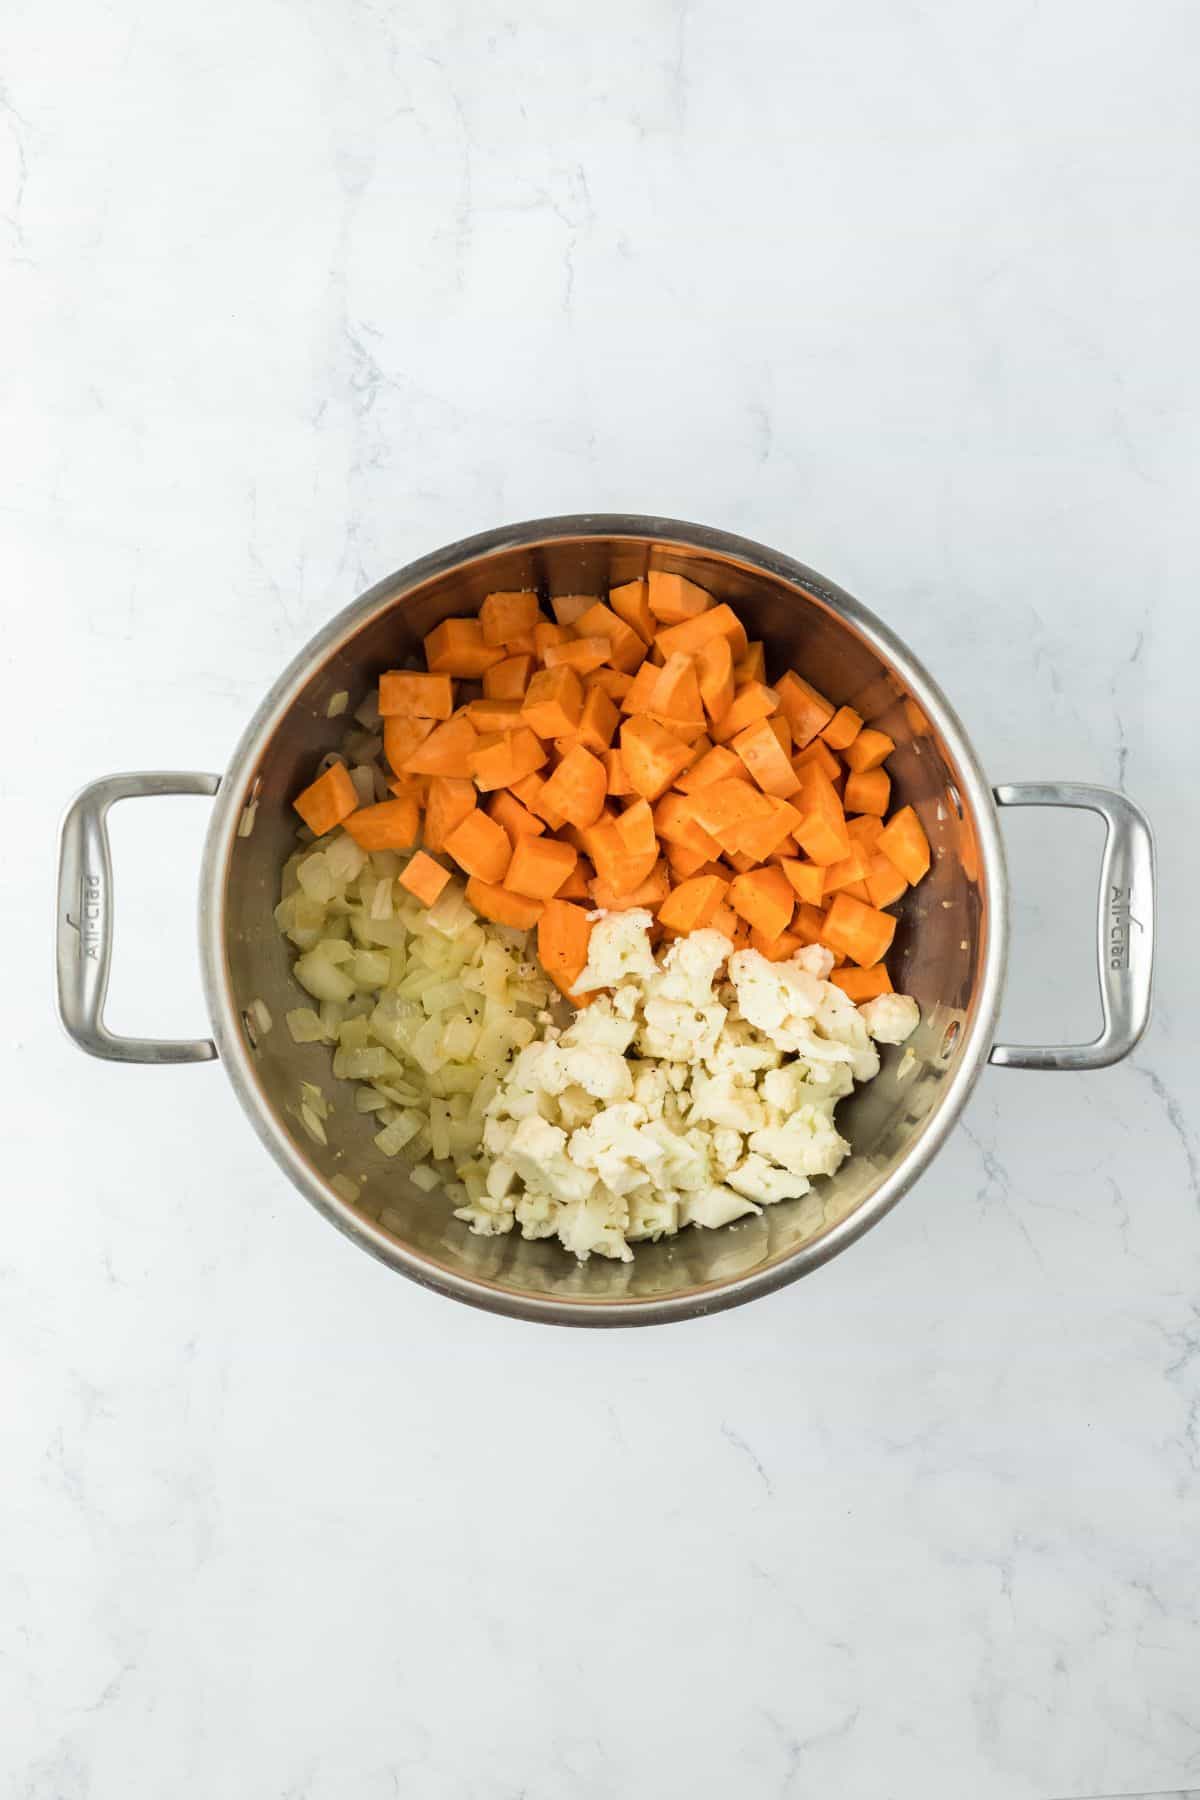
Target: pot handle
[(1125, 927), (84, 942)]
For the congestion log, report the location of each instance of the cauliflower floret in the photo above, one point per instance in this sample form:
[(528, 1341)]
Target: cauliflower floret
[(598, 1027), (715, 1206), (778, 998), (538, 1153), (483, 1220), (618, 950), (653, 1213), (575, 1108), (680, 1031), (726, 1148), (890, 1018), (758, 1180), (537, 1215), (723, 1101), (816, 960), (808, 1144), (593, 1224), (685, 1155), (689, 968), (649, 1086), (742, 1050), (619, 1148), (500, 1178)]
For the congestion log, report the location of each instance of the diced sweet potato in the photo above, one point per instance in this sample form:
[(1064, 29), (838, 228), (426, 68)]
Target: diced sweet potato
[(692, 634), (884, 882), (553, 702), (480, 846), (424, 878), (389, 825), (862, 933), (869, 750), (626, 649), (539, 867), (776, 949), (676, 695), (446, 751), (499, 761), (820, 754), (401, 737), (676, 823), (765, 760), (508, 680), (863, 984), (578, 787), (672, 598), (531, 792), (598, 720), (765, 899), (806, 711), (614, 683), (619, 784), (564, 932), (575, 887), (714, 667), (450, 799), (652, 756), (327, 801), (904, 843), (752, 666), (494, 715), (869, 792), (502, 906), (685, 862), (505, 616), (842, 729), (717, 764), (458, 647), (637, 697), (807, 878), (583, 654), (847, 870), (629, 602), (404, 692), (635, 827), (567, 607), (649, 893), (548, 637), (515, 817), (750, 703), (865, 829), (691, 905), (760, 838)]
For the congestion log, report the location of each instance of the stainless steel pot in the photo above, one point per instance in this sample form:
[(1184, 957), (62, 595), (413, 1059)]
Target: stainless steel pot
[(950, 945)]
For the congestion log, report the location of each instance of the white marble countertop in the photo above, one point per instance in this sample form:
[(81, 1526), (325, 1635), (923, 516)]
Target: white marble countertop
[(294, 293)]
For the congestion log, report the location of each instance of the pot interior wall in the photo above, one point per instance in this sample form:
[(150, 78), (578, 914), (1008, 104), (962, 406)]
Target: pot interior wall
[(938, 949)]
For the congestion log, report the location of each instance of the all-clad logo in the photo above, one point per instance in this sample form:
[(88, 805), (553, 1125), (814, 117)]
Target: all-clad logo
[(1120, 924), (91, 912)]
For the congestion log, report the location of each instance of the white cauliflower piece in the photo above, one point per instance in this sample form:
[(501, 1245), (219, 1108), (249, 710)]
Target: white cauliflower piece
[(618, 950), (726, 1148), (599, 1027), (649, 1087), (778, 998), (653, 1213), (591, 1225), (715, 1206), (758, 1180), (808, 1144), (679, 1031), (722, 1100), (690, 967), (816, 960), (685, 1155), (538, 1153), (890, 1018), (619, 1148)]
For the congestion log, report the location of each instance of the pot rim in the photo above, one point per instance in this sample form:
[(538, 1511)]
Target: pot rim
[(227, 1028)]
